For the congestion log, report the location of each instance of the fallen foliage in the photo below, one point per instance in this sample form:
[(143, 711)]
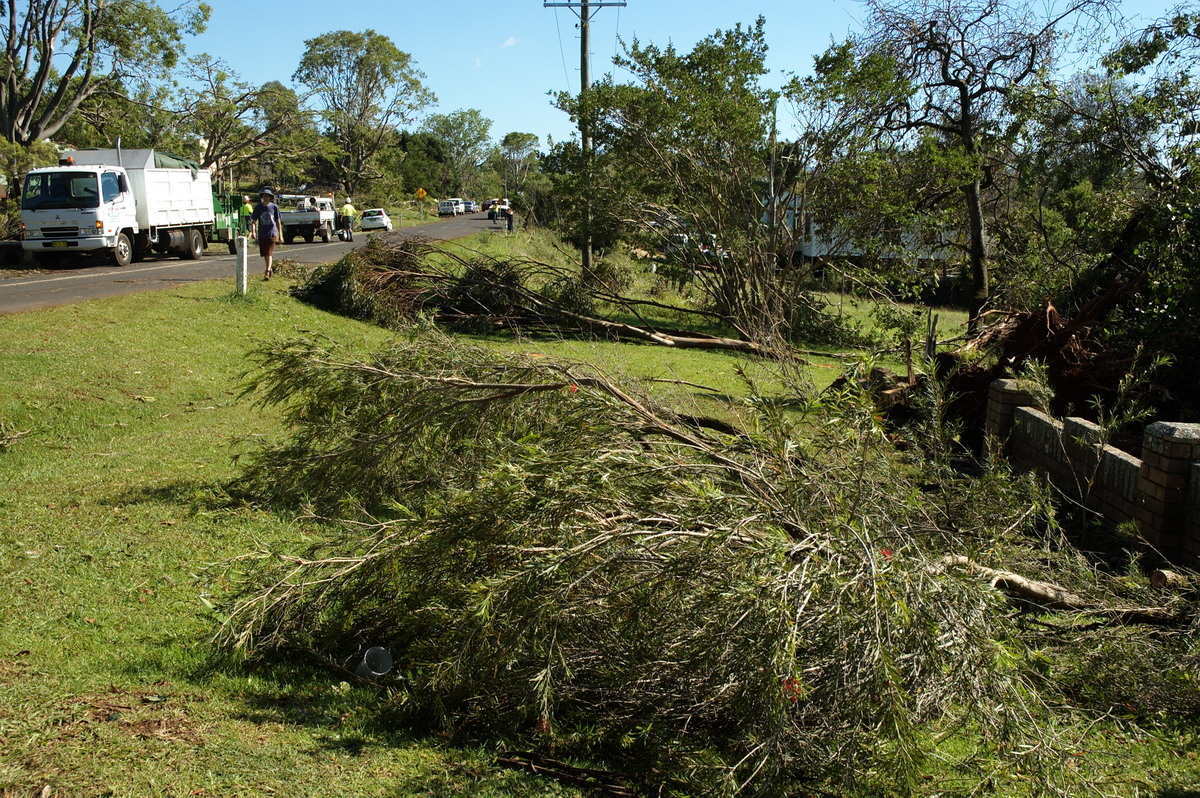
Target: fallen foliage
[(392, 282), (555, 560)]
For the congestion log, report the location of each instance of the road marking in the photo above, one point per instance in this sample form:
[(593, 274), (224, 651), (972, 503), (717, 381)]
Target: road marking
[(122, 272)]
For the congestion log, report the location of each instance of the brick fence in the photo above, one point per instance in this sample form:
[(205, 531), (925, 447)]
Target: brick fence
[(1159, 493)]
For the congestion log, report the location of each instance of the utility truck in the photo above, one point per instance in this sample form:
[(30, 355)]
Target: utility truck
[(306, 217), (118, 203)]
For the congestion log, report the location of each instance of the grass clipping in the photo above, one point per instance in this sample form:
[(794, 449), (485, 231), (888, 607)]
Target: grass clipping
[(552, 558)]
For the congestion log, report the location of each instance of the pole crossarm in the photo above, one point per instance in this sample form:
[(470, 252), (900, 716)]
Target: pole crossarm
[(581, 3)]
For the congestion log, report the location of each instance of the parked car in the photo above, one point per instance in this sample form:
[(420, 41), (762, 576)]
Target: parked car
[(469, 206), (450, 207), (375, 219)]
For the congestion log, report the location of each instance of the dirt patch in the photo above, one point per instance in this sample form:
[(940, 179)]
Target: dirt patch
[(147, 714)]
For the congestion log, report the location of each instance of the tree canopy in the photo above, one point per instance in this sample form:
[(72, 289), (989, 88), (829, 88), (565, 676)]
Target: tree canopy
[(365, 87), (63, 53)]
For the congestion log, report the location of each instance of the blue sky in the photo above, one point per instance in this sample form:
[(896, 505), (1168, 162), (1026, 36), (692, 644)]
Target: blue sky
[(504, 57)]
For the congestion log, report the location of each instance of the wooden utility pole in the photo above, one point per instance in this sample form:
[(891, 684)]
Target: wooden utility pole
[(585, 9)]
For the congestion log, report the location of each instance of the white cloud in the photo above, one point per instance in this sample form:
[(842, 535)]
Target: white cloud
[(510, 42)]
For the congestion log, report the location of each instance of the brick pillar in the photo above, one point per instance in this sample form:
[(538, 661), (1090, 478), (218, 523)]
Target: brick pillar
[(1168, 450), (1004, 397)]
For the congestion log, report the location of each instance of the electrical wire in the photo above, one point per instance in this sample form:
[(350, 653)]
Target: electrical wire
[(617, 34), (562, 53)]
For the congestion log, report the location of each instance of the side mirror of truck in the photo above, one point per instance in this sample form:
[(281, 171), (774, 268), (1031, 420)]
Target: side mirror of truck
[(123, 183)]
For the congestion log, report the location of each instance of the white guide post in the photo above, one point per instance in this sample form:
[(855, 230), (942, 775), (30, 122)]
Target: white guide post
[(241, 266)]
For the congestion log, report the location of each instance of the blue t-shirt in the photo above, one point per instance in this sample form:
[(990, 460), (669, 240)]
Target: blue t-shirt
[(267, 217)]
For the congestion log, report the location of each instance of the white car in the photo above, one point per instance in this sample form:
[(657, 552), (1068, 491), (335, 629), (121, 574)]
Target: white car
[(375, 219), (450, 207), (469, 206)]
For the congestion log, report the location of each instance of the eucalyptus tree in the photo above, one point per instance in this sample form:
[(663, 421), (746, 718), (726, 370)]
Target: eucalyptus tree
[(365, 87), (237, 122), (141, 116), (518, 154), (60, 54)]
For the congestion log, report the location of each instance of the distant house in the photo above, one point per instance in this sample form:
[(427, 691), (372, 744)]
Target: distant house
[(814, 243)]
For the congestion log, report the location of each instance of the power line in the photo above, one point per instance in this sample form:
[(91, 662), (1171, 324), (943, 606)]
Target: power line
[(561, 52), (617, 33)]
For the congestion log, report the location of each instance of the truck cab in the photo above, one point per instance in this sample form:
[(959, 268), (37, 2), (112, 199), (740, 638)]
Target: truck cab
[(76, 209)]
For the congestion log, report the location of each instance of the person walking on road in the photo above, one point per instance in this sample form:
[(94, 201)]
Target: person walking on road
[(348, 214), (244, 214), (269, 227)]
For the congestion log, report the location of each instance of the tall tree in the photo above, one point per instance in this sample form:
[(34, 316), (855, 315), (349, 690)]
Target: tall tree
[(61, 53), (144, 117), (424, 162), (956, 65), (365, 87), (237, 122), (464, 135), (518, 152)]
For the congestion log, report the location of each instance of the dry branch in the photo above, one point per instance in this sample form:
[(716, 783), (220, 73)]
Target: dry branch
[(1169, 580), (402, 278), (1049, 596)]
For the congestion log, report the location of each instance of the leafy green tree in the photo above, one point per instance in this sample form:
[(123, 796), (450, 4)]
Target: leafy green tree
[(144, 117), (365, 87), (464, 135), (237, 122), (518, 153), (1150, 269), (63, 53), (682, 154), (422, 162)]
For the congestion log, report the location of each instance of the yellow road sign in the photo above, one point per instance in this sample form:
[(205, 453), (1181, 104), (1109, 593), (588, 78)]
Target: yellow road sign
[(421, 193)]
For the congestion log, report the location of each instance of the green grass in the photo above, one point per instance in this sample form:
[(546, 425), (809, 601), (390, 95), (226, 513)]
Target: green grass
[(114, 510)]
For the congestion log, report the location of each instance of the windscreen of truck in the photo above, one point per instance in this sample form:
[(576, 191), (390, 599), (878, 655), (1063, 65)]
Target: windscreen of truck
[(59, 190)]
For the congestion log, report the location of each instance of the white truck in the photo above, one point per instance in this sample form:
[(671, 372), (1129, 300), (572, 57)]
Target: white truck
[(119, 203), (307, 217)]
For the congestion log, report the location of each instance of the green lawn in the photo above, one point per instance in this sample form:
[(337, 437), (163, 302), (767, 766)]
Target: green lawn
[(113, 511), (113, 516)]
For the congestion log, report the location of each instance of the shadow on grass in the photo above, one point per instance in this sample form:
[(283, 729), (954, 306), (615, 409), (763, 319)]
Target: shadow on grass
[(198, 496)]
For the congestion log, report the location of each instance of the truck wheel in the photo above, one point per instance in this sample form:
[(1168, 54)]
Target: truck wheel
[(122, 253), (193, 245), (288, 238), (326, 233), (308, 236)]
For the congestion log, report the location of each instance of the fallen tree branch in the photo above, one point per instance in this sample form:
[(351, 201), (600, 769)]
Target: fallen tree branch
[(603, 782), (1049, 596)]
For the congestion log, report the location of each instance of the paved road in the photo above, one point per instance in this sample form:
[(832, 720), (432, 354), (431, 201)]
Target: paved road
[(84, 279)]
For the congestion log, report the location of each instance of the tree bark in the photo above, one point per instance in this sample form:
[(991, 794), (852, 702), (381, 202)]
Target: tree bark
[(1049, 596)]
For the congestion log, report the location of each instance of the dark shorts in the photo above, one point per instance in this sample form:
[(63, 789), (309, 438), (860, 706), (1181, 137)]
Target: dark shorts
[(266, 248)]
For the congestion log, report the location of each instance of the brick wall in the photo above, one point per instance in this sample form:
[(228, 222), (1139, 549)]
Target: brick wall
[(1160, 492)]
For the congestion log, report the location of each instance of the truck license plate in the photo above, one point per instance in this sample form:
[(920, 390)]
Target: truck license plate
[(58, 244)]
